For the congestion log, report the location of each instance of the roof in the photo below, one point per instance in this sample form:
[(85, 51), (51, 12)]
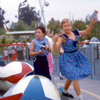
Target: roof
[(21, 32)]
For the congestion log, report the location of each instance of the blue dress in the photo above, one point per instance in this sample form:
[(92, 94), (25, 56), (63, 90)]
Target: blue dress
[(73, 63)]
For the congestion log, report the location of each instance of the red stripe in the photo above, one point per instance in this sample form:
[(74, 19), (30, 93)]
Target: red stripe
[(26, 44), (12, 44), (15, 78), (12, 97), (83, 42)]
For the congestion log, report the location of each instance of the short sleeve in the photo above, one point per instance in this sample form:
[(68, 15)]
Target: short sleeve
[(76, 32), (64, 36)]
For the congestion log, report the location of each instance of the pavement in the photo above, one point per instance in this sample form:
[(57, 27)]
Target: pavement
[(90, 86), (90, 89)]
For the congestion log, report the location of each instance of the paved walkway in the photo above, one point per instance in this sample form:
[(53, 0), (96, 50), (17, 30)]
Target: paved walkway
[(90, 88)]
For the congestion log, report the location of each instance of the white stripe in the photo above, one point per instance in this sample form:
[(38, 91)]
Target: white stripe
[(49, 89), (21, 85), (11, 69), (94, 42)]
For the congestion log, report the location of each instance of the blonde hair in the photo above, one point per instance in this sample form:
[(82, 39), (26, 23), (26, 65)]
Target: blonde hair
[(66, 20)]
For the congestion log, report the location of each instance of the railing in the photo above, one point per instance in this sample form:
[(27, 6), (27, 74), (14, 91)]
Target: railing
[(27, 52), (91, 52)]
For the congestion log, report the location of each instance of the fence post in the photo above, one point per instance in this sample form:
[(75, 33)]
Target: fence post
[(92, 54), (27, 53), (97, 52)]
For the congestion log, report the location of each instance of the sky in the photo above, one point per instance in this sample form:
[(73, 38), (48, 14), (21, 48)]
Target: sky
[(57, 9)]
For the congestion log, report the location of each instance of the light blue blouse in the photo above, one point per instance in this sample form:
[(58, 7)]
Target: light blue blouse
[(38, 45)]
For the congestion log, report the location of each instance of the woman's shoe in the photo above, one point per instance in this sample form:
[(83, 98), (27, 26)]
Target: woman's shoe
[(68, 95), (60, 76)]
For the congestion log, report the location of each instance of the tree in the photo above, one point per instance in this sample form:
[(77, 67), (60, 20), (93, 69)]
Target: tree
[(27, 14), (88, 17), (2, 31), (96, 30), (20, 26), (54, 25), (2, 12), (80, 25)]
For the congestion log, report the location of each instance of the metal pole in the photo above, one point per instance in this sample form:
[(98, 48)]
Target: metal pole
[(42, 12)]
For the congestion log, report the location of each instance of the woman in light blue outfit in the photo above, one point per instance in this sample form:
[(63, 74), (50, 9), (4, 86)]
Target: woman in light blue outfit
[(73, 63), (40, 48)]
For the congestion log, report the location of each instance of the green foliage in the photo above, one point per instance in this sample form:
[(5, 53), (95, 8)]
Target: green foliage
[(78, 24), (2, 31), (27, 14), (3, 41), (33, 25), (20, 26), (96, 30), (42, 25), (54, 25), (2, 12)]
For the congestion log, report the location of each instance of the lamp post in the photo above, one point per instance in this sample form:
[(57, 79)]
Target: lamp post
[(42, 10)]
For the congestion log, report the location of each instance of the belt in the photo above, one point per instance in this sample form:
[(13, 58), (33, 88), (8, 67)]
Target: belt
[(70, 51)]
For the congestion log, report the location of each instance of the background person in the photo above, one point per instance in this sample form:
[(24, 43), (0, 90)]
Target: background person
[(86, 40), (24, 51), (28, 49), (49, 56), (94, 47), (9, 50), (5, 53), (13, 53), (19, 49), (14, 42)]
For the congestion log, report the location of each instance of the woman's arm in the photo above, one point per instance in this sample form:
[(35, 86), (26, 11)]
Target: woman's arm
[(32, 53), (57, 42), (89, 28), (59, 51), (49, 47)]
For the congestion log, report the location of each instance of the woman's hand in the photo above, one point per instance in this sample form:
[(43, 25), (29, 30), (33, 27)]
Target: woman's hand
[(46, 47), (93, 20), (55, 38), (89, 28), (42, 51)]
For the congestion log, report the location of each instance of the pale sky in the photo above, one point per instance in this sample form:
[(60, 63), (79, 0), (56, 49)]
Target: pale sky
[(57, 9)]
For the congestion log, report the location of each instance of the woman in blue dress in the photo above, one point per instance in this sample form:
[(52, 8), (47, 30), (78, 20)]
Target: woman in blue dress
[(73, 63)]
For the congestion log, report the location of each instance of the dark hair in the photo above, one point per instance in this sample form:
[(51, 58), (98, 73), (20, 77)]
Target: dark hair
[(28, 40), (42, 29), (23, 41), (89, 38), (14, 41)]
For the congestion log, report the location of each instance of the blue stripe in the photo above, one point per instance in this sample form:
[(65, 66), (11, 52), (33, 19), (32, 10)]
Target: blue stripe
[(34, 90)]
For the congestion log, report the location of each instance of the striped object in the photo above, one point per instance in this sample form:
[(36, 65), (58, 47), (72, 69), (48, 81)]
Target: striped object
[(34, 87), (12, 73)]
